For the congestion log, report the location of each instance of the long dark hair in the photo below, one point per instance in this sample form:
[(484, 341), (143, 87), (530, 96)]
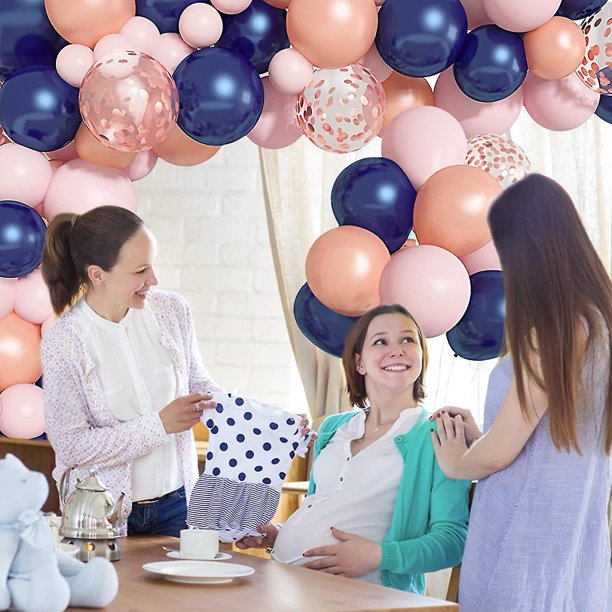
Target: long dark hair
[(553, 278), (75, 242)]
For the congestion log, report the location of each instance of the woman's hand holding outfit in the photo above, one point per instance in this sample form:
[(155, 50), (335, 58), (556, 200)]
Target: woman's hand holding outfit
[(185, 412)]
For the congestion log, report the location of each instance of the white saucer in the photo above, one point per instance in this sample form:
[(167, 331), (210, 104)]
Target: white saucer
[(198, 572), (176, 554)]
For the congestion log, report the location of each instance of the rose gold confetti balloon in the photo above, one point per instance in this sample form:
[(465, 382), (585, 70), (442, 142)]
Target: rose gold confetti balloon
[(341, 109), (596, 68), (500, 157), (129, 101)]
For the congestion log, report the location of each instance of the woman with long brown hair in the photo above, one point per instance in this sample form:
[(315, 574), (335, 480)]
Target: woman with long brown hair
[(538, 534)]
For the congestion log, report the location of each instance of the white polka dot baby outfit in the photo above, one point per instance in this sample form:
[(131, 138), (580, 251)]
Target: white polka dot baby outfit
[(251, 446)]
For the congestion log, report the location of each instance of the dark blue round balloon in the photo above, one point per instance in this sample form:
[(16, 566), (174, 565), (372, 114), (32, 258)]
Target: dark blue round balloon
[(479, 335), (22, 239), (604, 108), (38, 109), (375, 194), (27, 37), (257, 34), (421, 37), (579, 9), (164, 13), (323, 327), (221, 96), (492, 65)]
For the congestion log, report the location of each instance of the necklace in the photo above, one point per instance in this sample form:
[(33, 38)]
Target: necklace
[(371, 433)]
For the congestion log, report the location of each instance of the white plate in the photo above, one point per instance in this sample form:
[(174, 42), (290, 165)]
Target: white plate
[(176, 554), (198, 572), (69, 549)]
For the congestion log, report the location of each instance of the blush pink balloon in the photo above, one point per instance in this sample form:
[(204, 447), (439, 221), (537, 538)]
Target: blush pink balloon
[(111, 43), (476, 117), (200, 25), (22, 414), (277, 126), (423, 140), (290, 71), (485, 258), (79, 186), (73, 62), (231, 7), (376, 64), (431, 283), (66, 153), (171, 51), (142, 33), (32, 300), (143, 164), (476, 14), (26, 174), (8, 286), (559, 105), (520, 15)]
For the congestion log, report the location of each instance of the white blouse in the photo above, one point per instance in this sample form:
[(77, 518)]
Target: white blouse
[(355, 494), (137, 378)]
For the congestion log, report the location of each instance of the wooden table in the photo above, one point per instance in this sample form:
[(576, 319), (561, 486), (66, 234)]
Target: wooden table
[(273, 588)]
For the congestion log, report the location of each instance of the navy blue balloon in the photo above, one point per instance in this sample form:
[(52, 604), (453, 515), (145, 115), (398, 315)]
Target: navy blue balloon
[(492, 65), (27, 37), (164, 13), (604, 108), (22, 239), (579, 9), (323, 327), (221, 96), (479, 335), (421, 37), (375, 194), (257, 34), (38, 109)]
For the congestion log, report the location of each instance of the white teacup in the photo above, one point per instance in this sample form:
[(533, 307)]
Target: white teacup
[(199, 543)]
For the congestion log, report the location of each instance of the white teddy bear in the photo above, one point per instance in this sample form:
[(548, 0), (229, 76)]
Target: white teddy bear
[(35, 575)]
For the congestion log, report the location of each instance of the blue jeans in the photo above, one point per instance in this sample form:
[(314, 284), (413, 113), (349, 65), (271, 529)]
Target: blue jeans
[(164, 516)]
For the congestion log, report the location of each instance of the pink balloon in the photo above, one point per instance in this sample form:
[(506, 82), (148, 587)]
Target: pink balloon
[(376, 64), (431, 283), (559, 105), (142, 33), (485, 258), (143, 164), (66, 153), (40, 209), (8, 286), (423, 140), (32, 300), (79, 186), (277, 126), (231, 7), (171, 51), (200, 25), (26, 174), (21, 411), (290, 71), (73, 62), (111, 43), (476, 117), (476, 13), (520, 15)]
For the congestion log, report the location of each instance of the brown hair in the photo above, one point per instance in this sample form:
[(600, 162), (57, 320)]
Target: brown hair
[(355, 382), (553, 278), (75, 242)]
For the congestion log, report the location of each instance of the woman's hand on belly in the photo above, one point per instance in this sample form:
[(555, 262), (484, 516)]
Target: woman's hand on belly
[(353, 556)]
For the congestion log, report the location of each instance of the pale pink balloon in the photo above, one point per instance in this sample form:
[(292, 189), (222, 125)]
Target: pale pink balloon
[(40, 209), (277, 126), (376, 64), (111, 43), (520, 15), (423, 140), (26, 174), (290, 71), (32, 300), (142, 33), (476, 117), (79, 186), (200, 25), (66, 153), (22, 414), (73, 62), (128, 101), (559, 105), (476, 13), (8, 286), (143, 164), (171, 51), (47, 323), (485, 258), (431, 283), (231, 7), (56, 163)]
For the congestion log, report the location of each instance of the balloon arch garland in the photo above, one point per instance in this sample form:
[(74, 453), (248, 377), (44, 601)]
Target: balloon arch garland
[(93, 95)]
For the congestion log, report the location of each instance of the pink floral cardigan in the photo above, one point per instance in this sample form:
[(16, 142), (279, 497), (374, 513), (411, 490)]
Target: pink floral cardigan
[(80, 426)]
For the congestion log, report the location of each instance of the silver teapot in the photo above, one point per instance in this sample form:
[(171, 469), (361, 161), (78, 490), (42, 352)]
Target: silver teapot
[(90, 517)]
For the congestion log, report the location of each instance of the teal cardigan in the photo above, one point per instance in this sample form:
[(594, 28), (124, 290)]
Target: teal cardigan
[(429, 522)]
